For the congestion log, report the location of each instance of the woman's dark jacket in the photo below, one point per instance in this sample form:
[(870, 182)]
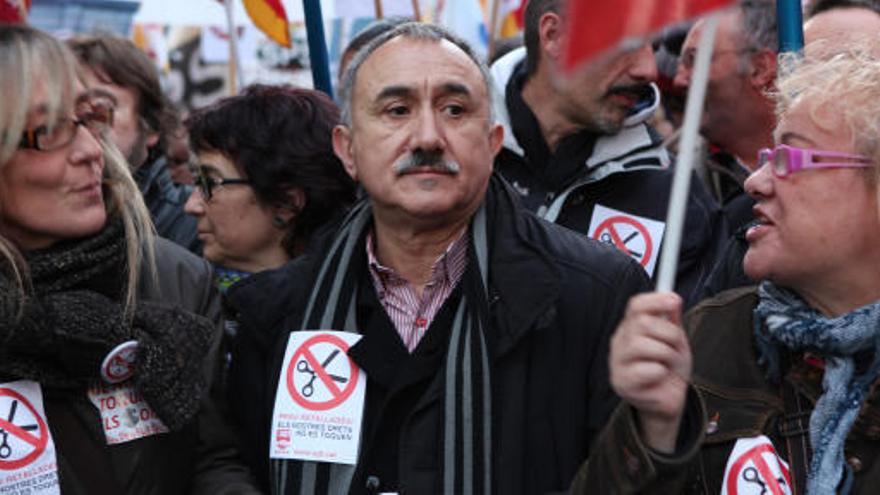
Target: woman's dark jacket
[(731, 399), (201, 457)]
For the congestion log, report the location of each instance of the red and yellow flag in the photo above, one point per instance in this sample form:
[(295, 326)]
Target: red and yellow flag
[(14, 11), (270, 17)]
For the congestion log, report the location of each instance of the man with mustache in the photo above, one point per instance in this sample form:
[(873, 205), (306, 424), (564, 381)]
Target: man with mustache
[(580, 152), (484, 330)]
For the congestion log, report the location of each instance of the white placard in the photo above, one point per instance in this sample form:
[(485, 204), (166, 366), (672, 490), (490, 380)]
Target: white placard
[(27, 452), (319, 403), (755, 468), (125, 415), (636, 236)]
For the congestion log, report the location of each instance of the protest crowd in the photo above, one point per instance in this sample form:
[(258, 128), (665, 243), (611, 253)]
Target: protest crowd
[(445, 278)]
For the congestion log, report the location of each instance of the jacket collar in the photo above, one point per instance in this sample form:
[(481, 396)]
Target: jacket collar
[(515, 256), (269, 299), (524, 281), (633, 136)]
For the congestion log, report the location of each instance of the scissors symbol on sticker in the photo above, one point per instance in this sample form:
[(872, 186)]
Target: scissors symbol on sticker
[(751, 475), (606, 238), (5, 449), (303, 367)]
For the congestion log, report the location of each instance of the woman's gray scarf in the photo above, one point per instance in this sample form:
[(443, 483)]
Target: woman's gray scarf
[(467, 432), (73, 317), (783, 318)]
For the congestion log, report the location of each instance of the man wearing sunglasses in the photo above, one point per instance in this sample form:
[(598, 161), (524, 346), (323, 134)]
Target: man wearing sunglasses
[(123, 79)]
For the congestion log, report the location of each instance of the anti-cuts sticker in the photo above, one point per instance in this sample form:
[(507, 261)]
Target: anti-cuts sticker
[(639, 237), (125, 415), (754, 468), (320, 399), (27, 452)]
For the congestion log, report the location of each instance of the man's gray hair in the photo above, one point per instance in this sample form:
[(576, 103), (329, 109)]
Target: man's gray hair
[(759, 25), (415, 31)]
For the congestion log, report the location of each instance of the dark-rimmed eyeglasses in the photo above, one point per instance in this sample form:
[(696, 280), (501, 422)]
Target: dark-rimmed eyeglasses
[(96, 118), (206, 183), (688, 57)]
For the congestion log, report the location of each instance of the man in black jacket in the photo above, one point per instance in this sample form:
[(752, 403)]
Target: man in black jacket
[(484, 330), (123, 78), (580, 152)]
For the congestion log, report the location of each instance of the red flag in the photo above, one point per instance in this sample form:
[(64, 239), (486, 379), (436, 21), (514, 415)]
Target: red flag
[(14, 11), (269, 16), (603, 24)]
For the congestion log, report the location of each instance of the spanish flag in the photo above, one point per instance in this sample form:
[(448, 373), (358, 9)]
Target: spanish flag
[(269, 16)]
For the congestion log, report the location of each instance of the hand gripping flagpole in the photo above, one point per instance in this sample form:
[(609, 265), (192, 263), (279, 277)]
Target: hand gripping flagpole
[(685, 163), (317, 46)]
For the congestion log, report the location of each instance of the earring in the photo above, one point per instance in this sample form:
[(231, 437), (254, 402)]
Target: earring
[(279, 222)]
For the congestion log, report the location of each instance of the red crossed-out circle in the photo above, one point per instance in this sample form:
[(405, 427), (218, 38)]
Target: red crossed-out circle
[(118, 365), (756, 455), (610, 225), (304, 352), (38, 442)]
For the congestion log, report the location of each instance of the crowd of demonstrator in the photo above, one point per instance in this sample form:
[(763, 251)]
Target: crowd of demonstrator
[(441, 282)]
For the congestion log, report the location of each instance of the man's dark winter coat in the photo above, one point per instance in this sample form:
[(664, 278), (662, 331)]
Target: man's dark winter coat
[(555, 298)]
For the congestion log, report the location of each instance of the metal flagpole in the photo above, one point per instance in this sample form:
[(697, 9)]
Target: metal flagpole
[(377, 6), (236, 77), (317, 46), (417, 13), (685, 163), (493, 25), (790, 23)]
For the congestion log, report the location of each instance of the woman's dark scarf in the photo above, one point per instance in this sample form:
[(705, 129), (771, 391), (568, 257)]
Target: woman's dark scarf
[(74, 316), (783, 319), (467, 424)]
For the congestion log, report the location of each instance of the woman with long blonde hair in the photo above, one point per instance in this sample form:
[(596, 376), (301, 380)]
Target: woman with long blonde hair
[(103, 383)]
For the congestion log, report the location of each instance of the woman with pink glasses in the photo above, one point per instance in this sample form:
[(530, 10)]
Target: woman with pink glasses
[(772, 388)]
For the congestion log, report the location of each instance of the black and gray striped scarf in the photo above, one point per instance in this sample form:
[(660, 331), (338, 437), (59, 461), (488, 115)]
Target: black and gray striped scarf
[(467, 426)]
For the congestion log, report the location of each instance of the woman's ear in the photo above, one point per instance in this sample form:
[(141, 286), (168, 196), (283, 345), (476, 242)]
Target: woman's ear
[(286, 211)]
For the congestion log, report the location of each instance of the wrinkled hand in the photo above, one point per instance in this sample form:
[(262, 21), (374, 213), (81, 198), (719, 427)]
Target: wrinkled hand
[(650, 365)]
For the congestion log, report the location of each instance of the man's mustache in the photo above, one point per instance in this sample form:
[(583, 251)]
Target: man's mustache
[(420, 160), (637, 91)]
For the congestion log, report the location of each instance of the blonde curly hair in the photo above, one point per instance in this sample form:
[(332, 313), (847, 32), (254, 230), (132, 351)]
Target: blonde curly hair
[(836, 82)]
